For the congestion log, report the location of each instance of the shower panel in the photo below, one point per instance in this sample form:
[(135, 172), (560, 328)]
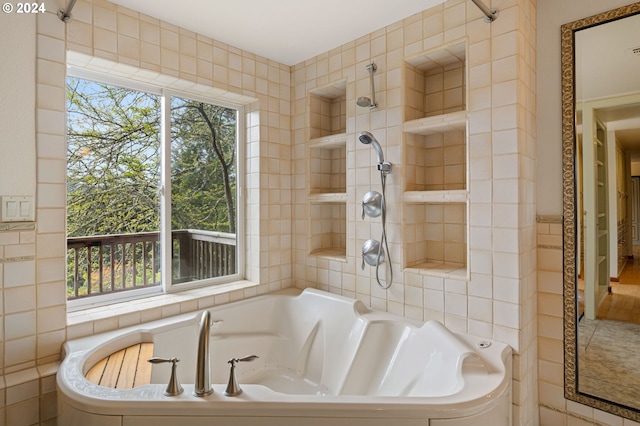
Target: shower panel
[(373, 205)]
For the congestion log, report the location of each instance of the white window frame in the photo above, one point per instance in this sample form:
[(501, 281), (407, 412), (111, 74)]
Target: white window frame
[(167, 286)]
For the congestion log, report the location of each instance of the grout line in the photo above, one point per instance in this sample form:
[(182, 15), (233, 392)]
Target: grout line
[(548, 246), (17, 226), (591, 421), (548, 218), (16, 259)]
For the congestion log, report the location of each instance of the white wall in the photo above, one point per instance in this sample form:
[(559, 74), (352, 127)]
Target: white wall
[(552, 14), (17, 109), (555, 410)]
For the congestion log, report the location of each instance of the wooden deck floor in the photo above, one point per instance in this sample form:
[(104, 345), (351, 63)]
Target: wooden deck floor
[(623, 303), (124, 369)]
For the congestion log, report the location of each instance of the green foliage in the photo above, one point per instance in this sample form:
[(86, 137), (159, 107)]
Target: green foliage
[(113, 165), (113, 155), (203, 178)]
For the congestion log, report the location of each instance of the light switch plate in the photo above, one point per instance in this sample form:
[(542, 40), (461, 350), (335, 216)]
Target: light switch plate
[(17, 209)]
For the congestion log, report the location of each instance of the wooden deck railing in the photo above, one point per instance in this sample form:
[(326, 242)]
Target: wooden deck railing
[(202, 254), (111, 263)]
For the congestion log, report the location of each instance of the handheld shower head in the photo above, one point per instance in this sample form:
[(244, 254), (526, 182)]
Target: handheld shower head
[(368, 139)]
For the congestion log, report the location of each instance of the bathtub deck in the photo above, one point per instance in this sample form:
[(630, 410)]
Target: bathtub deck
[(124, 369)]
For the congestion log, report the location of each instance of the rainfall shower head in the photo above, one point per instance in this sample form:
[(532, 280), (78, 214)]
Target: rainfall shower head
[(368, 139), (364, 102)]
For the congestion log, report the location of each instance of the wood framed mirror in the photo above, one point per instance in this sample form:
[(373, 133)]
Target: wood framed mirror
[(598, 205)]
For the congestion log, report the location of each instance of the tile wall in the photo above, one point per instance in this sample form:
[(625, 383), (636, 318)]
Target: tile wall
[(555, 410), (30, 327), (127, 44), (442, 164), (496, 295), (434, 87), (499, 300)]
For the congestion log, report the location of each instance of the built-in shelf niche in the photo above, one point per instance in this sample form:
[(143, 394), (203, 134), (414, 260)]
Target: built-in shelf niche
[(327, 166), (435, 82), (436, 153), (327, 171), (328, 230), (328, 110), (436, 239)]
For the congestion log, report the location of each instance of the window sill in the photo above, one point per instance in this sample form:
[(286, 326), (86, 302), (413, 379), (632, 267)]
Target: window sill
[(94, 320)]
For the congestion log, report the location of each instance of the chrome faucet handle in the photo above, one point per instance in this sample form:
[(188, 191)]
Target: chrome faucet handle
[(232, 387), (372, 253), (173, 388), (247, 358), (372, 204)]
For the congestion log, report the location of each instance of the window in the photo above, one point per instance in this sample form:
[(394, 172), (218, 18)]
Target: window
[(152, 184)]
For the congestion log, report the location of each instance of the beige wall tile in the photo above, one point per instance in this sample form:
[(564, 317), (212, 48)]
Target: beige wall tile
[(105, 40), (105, 18), (178, 54)]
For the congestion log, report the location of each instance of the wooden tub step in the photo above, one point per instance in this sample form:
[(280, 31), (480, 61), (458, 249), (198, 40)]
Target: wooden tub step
[(124, 369)]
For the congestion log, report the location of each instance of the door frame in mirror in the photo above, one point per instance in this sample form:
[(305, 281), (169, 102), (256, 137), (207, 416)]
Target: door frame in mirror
[(569, 212)]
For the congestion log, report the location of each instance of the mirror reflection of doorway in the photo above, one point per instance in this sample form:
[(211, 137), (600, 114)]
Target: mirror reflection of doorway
[(616, 295), (606, 115), (606, 370), (623, 304)]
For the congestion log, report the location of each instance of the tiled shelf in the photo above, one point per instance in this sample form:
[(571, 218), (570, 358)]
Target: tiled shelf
[(435, 157), (435, 82), (329, 141), (327, 110), (435, 237), (327, 172), (455, 196), (444, 270), (436, 124), (435, 152), (331, 254), (328, 229), (327, 197), (327, 165)]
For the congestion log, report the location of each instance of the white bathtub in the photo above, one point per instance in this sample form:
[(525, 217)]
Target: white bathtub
[(324, 360)]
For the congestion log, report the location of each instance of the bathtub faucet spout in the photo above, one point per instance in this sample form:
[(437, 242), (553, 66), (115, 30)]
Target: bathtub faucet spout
[(203, 379)]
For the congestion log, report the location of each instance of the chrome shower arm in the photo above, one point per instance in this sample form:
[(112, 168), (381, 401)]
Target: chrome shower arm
[(372, 69), (65, 14), (490, 14), (363, 101)]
